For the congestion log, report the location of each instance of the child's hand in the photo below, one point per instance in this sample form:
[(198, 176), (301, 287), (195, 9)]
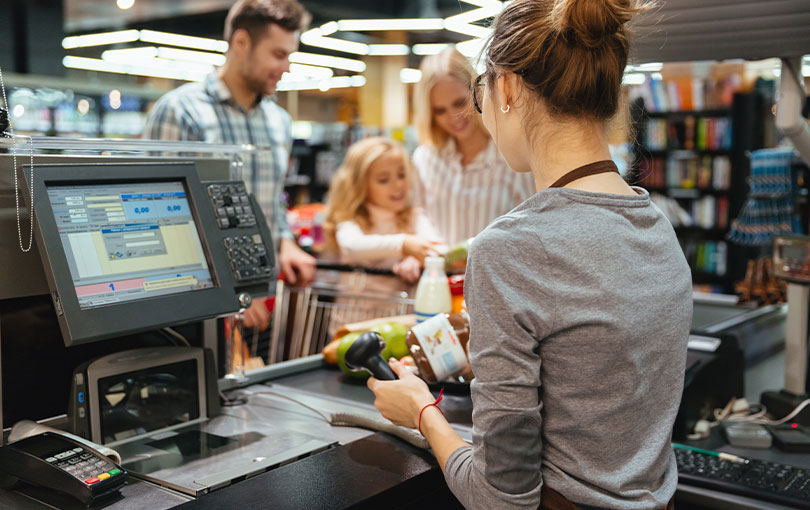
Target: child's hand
[(408, 269), (419, 248)]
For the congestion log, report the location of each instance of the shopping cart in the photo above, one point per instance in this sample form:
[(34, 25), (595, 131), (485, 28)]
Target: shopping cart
[(306, 318)]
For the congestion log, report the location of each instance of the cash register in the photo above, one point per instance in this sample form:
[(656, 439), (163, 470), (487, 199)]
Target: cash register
[(128, 248)]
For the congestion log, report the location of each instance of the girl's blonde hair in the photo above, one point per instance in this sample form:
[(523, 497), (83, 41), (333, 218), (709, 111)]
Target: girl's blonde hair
[(447, 64), (348, 190)]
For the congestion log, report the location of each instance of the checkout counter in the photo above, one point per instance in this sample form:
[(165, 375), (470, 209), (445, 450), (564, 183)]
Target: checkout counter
[(132, 238), (271, 443)]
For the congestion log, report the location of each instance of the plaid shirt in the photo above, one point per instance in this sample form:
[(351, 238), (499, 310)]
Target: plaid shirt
[(205, 112)]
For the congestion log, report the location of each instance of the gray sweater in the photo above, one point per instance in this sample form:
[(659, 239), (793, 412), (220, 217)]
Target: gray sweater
[(580, 305)]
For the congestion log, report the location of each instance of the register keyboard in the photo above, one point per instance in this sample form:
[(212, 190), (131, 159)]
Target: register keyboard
[(766, 481)]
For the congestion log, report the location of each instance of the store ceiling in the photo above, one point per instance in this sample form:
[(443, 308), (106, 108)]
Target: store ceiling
[(88, 15)]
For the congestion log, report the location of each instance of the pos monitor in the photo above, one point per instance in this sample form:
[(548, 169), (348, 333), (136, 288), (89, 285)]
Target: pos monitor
[(129, 247)]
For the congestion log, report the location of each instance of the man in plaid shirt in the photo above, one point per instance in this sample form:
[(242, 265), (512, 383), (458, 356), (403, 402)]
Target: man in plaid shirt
[(233, 105)]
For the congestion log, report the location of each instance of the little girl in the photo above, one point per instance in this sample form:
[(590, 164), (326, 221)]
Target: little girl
[(369, 217)]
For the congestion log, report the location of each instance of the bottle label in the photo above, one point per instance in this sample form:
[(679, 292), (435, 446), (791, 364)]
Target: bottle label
[(422, 317), (441, 346)]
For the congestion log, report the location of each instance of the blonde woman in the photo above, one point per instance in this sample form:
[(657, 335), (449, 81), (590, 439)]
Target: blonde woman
[(370, 219), (461, 180)]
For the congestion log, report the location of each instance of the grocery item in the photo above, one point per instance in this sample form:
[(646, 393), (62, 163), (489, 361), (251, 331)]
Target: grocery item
[(456, 283), (438, 346), (393, 334), (432, 292), (456, 257)]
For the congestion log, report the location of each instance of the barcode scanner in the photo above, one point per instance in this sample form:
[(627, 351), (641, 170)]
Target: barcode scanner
[(365, 353)]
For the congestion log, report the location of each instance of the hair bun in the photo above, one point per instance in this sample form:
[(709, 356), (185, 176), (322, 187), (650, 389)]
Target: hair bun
[(589, 22)]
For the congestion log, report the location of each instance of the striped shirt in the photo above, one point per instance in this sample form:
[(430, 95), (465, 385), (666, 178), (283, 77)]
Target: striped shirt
[(205, 112), (462, 200)]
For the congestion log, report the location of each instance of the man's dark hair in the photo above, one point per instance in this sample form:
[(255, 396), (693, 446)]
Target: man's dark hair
[(255, 15)]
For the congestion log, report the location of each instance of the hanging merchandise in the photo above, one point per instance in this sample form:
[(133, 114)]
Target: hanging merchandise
[(768, 210)]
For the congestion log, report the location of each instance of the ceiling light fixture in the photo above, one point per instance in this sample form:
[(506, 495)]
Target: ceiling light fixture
[(83, 41), (349, 64), (369, 25), (172, 71), (330, 83), (462, 23), (318, 37), (408, 75), (185, 41), (388, 49), (430, 48), (125, 4)]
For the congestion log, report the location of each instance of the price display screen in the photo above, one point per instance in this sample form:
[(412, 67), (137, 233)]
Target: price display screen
[(126, 242)]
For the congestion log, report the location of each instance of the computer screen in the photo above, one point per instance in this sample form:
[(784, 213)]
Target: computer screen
[(129, 247), (126, 242)]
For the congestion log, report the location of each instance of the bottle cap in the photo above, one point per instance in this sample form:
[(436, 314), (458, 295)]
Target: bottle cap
[(434, 263)]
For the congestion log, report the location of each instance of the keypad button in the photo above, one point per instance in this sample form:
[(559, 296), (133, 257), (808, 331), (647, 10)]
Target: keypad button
[(103, 476), (91, 481), (86, 456), (78, 450), (51, 459), (223, 223), (115, 471)]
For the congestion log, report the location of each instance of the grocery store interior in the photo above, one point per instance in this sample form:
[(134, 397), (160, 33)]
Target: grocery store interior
[(209, 356)]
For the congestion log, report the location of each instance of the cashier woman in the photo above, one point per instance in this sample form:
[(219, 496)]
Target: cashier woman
[(580, 297)]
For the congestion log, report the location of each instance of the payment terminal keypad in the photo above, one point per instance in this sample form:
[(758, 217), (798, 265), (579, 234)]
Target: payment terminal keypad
[(248, 257), (244, 233), (232, 205), (85, 466)]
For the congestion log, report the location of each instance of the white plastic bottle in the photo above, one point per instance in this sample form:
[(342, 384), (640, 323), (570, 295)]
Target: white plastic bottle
[(433, 291)]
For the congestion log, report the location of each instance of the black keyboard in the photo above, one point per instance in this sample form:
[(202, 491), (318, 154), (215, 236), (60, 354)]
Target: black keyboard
[(767, 481)]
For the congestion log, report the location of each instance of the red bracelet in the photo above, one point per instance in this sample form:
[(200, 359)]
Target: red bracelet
[(436, 404)]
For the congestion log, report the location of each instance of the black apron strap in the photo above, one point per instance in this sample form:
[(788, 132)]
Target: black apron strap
[(599, 167)]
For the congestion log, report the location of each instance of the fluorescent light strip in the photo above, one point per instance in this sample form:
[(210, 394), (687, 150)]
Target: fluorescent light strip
[(408, 75), (186, 41), (388, 49), (314, 59), (461, 23), (471, 48), (298, 71), (367, 25), (95, 64), (83, 41), (200, 57), (330, 83), (315, 37), (429, 49), (129, 54)]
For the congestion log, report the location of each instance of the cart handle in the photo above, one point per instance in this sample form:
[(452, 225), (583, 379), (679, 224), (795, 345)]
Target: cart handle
[(348, 268)]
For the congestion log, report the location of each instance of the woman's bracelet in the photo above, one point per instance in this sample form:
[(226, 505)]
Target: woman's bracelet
[(435, 404)]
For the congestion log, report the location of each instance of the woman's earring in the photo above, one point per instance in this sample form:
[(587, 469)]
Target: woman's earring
[(506, 110)]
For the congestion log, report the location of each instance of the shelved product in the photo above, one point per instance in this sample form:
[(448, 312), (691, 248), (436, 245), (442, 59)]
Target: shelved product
[(694, 163)]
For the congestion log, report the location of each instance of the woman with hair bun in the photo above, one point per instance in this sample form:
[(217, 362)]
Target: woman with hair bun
[(579, 298)]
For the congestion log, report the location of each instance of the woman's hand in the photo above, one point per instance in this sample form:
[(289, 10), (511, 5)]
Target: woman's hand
[(401, 401), (419, 248), (408, 269)]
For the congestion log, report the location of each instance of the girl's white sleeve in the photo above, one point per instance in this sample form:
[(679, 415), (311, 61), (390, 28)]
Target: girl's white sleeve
[(425, 229), (357, 246)]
